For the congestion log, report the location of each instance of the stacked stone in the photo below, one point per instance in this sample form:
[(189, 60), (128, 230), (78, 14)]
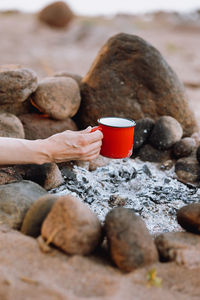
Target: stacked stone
[(33, 110)]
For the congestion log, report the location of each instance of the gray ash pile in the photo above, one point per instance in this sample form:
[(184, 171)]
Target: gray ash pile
[(154, 194)]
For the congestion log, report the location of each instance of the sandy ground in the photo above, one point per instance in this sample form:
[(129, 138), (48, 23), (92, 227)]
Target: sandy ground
[(29, 43), (26, 42)]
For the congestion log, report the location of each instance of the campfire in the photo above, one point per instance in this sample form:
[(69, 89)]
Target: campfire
[(134, 212)]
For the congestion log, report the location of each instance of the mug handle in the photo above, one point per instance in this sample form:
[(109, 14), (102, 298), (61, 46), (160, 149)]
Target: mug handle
[(96, 128)]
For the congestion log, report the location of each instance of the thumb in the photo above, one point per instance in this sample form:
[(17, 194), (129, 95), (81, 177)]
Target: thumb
[(87, 130)]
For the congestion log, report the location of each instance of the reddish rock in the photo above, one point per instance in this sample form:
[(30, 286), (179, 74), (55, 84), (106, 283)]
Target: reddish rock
[(58, 97), (57, 14), (184, 147), (11, 126), (16, 84), (38, 127), (130, 78), (166, 132), (130, 243), (189, 217), (72, 226)]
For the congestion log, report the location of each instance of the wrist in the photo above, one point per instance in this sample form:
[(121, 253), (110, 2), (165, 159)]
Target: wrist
[(41, 152)]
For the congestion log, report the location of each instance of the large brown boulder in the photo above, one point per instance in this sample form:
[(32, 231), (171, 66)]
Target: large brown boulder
[(130, 78), (57, 14)]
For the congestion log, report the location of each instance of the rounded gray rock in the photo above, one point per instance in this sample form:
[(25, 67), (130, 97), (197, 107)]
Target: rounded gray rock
[(15, 200), (166, 132), (130, 243), (36, 214), (11, 126), (184, 147), (58, 97), (16, 84), (143, 129)]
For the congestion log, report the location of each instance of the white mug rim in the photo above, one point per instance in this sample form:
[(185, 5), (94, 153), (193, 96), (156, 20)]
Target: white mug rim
[(133, 123)]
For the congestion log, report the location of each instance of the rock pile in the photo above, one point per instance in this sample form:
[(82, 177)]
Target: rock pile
[(130, 79)]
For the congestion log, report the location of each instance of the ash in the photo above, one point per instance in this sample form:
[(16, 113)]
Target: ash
[(153, 194)]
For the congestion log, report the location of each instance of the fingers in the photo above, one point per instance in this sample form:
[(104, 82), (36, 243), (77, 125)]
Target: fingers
[(93, 137), (86, 130)]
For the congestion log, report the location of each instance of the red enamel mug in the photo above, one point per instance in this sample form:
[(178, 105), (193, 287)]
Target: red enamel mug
[(118, 134)]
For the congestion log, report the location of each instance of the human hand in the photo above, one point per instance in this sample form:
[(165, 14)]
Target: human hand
[(74, 145)]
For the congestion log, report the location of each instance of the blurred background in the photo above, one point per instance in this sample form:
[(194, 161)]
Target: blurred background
[(51, 37)]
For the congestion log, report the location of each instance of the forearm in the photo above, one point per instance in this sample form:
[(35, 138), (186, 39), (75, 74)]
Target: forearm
[(20, 151)]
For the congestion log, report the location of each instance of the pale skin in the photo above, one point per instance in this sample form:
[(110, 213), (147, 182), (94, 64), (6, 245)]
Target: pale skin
[(65, 146)]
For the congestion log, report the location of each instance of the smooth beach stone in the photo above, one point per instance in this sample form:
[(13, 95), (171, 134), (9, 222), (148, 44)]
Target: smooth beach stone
[(184, 147), (36, 214), (11, 126), (72, 226), (188, 169), (130, 78), (130, 244), (37, 126), (189, 217), (57, 14), (181, 247), (15, 200), (16, 83), (142, 131), (166, 132), (58, 97)]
